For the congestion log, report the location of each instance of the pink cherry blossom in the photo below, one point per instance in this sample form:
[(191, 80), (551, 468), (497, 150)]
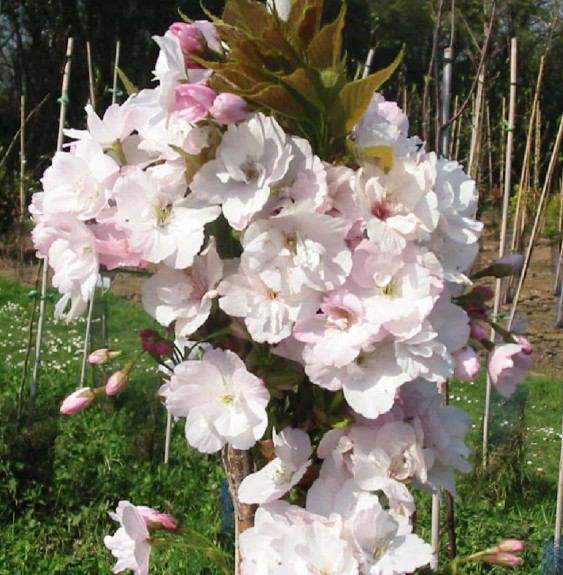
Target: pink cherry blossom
[(467, 364), (508, 366), (221, 400), (277, 477), (193, 101), (250, 161), (130, 545), (184, 296)]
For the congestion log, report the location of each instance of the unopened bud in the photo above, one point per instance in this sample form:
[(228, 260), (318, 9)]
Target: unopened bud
[(502, 554), (156, 520), (117, 381), (77, 401), (102, 356)]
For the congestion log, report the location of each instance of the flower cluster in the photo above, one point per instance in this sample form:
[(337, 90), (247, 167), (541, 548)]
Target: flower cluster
[(317, 296)]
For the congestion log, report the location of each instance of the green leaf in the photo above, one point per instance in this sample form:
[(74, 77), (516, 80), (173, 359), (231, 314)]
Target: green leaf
[(305, 19), (354, 98), (128, 85), (325, 50)]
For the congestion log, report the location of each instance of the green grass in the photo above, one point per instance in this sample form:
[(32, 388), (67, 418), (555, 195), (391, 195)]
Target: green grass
[(59, 478)]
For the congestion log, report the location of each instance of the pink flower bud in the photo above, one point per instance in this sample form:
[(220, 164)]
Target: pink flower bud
[(467, 364), (193, 101), (483, 293), (228, 108), (507, 265), (527, 347), (117, 381), (102, 356), (77, 401), (190, 37), (514, 545), (163, 348), (502, 554), (156, 520), (477, 331)]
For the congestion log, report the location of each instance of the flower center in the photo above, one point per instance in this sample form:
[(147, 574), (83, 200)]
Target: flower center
[(279, 472), (381, 210), (250, 171), (227, 399), (162, 215), (340, 318)]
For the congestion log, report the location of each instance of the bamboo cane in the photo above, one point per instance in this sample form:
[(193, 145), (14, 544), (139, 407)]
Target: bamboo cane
[(474, 150), (516, 239), (446, 100), (90, 76), (559, 266), (537, 219), (502, 147), (115, 68), (22, 187), (559, 506), (41, 320), (168, 438), (489, 146), (454, 133), (504, 227)]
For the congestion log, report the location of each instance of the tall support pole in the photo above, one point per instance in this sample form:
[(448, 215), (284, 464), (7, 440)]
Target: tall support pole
[(504, 226), (22, 206), (41, 320), (90, 76), (526, 161), (539, 214), (115, 68), (473, 165), (559, 506), (446, 100)]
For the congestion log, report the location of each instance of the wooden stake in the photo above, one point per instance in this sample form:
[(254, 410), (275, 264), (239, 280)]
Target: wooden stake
[(115, 67), (503, 229), (517, 230), (474, 150), (22, 206), (168, 438), (87, 334), (559, 506), (90, 76), (41, 320), (489, 147), (455, 133), (502, 146), (446, 100), (537, 219)]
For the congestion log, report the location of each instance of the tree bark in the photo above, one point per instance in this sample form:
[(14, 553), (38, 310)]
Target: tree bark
[(238, 464)]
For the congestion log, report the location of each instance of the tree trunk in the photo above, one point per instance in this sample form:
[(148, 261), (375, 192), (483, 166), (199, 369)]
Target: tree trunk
[(238, 464)]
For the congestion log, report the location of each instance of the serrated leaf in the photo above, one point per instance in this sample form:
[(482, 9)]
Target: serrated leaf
[(325, 49), (304, 19), (244, 15), (127, 84), (279, 100), (355, 97)]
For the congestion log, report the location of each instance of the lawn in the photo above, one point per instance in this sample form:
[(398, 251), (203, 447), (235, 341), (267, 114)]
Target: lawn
[(60, 476)]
